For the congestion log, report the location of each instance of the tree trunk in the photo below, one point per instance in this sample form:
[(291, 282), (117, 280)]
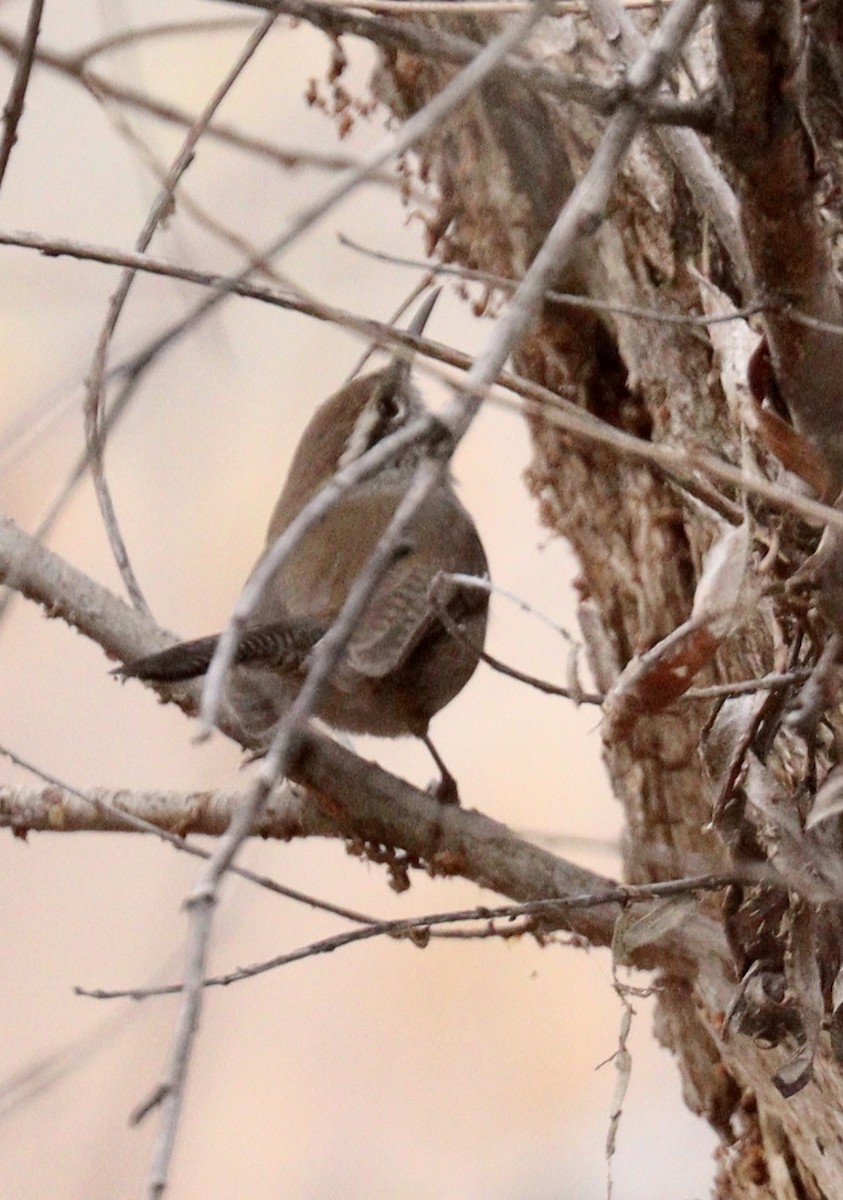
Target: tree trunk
[(712, 784)]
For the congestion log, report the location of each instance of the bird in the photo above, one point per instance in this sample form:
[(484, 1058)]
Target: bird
[(410, 654)]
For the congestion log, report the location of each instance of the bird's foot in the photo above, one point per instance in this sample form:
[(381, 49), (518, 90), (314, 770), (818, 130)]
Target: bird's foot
[(445, 790)]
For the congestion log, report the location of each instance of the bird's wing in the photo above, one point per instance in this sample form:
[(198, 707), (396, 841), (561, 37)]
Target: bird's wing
[(280, 645), (397, 618)]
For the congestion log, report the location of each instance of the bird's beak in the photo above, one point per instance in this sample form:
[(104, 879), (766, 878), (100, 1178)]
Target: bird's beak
[(401, 364)]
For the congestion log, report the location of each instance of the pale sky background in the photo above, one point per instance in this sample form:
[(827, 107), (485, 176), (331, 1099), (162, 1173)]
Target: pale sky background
[(463, 1072)]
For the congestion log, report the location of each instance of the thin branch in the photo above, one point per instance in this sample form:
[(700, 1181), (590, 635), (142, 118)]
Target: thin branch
[(674, 463), (577, 214), (678, 463), (204, 896), (622, 1059), (409, 928), (635, 312), (773, 682), (72, 67), (463, 7), (739, 687), (439, 596), (328, 651), (170, 1093), (96, 380), (283, 297), (440, 45), (61, 807), (58, 247), (165, 29), (541, 685), (494, 589), (275, 764), (13, 108)]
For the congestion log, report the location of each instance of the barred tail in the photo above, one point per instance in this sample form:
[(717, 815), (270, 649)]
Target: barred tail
[(281, 646), (187, 660)]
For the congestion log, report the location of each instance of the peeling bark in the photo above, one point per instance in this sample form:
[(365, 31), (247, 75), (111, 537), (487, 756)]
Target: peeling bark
[(641, 541)]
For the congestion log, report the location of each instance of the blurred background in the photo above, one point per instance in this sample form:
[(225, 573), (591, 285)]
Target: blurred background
[(467, 1071)]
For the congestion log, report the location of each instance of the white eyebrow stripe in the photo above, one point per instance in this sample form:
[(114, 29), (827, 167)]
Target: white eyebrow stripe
[(361, 438)]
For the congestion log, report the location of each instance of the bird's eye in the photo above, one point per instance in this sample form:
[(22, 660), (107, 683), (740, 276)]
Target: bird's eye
[(391, 406)]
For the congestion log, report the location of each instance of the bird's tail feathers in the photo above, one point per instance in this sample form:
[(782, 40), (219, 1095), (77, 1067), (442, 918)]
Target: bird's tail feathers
[(280, 646)]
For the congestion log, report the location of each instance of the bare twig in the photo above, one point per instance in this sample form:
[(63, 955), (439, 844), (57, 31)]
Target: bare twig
[(772, 682), (533, 681), (440, 45), (275, 764), (635, 312), (169, 1095), (575, 218), (13, 108), (678, 463), (622, 1060), (58, 247), (63, 808), (329, 649), (73, 67), (409, 928), (97, 375), (439, 596), (461, 7), (165, 29), (473, 583)]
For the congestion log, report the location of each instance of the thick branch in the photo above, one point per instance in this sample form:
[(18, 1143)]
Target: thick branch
[(353, 798), (397, 34)]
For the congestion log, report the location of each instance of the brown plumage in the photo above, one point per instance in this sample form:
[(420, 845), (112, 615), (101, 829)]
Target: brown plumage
[(401, 665)]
